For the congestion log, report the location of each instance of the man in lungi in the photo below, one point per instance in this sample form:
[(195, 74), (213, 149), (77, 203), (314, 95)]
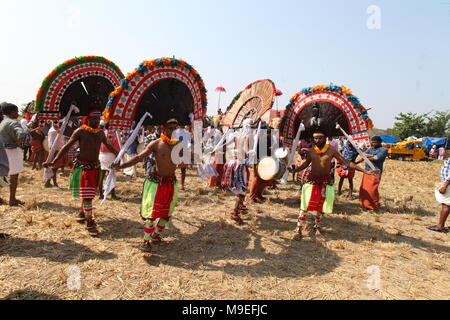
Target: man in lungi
[(37, 147), (318, 189), (86, 172), (52, 136), (443, 197), (345, 172), (4, 164), (12, 135), (160, 193), (219, 157), (184, 135), (107, 158), (368, 194)]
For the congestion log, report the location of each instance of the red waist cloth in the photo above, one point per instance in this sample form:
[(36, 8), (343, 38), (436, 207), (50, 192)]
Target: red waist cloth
[(315, 180), (216, 181)]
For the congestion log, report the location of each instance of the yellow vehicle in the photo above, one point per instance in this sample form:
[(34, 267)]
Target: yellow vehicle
[(408, 150)]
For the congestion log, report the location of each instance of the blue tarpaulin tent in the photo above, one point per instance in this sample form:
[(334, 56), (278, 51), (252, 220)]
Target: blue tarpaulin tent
[(388, 139), (439, 142)]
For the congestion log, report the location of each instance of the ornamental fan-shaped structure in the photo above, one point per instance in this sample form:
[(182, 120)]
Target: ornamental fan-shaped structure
[(251, 103), (166, 88)]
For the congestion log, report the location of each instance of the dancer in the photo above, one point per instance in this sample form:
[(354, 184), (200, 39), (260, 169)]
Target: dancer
[(236, 172), (318, 190), (86, 172), (160, 192)]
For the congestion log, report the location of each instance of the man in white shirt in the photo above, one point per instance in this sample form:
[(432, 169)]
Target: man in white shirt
[(185, 137), (52, 136)]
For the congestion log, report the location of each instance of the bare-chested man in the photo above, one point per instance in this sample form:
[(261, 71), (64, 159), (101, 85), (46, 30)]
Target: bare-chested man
[(86, 172), (160, 192), (318, 191)]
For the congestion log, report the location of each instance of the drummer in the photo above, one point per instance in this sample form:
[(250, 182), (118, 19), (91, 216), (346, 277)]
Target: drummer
[(258, 185), (318, 191)]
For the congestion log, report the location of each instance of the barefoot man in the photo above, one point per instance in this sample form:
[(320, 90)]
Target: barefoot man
[(318, 190), (86, 172), (160, 193)]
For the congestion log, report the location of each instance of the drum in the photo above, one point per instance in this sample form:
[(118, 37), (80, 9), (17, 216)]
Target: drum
[(140, 148), (45, 144), (271, 169)]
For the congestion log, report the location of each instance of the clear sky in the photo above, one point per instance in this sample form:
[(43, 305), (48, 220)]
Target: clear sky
[(402, 66)]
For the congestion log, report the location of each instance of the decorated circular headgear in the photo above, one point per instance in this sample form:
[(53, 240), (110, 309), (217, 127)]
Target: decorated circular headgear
[(320, 109), (166, 88), (85, 82)]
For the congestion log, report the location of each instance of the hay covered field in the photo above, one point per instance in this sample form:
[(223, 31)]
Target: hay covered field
[(206, 256)]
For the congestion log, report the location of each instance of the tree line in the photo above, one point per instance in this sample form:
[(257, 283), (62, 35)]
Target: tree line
[(432, 124)]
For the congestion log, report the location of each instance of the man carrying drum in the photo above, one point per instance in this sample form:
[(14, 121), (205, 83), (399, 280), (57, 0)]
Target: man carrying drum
[(318, 192)]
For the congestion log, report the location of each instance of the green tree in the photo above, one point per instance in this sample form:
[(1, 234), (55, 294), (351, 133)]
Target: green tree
[(438, 125), (410, 124)]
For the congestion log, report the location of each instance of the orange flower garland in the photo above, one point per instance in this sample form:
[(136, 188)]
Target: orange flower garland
[(89, 129), (322, 151), (169, 141)]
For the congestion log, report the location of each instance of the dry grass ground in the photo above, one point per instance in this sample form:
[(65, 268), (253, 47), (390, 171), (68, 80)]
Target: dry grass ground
[(206, 256)]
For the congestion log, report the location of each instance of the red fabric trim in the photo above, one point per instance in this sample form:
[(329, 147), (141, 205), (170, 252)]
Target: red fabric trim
[(317, 198), (89, 183), (163, 200)]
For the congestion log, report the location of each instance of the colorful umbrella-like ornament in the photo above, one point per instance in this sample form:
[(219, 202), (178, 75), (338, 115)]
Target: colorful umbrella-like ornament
[(220, 90), (279, 93)]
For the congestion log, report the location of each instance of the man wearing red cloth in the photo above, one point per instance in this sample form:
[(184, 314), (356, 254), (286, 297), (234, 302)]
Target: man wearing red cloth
[(85, 175), (318, 191), (160, 193)]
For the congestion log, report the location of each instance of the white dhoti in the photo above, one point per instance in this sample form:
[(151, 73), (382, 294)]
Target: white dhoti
[(131, 171), (15, 159), (106, 160), (443, 198)]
